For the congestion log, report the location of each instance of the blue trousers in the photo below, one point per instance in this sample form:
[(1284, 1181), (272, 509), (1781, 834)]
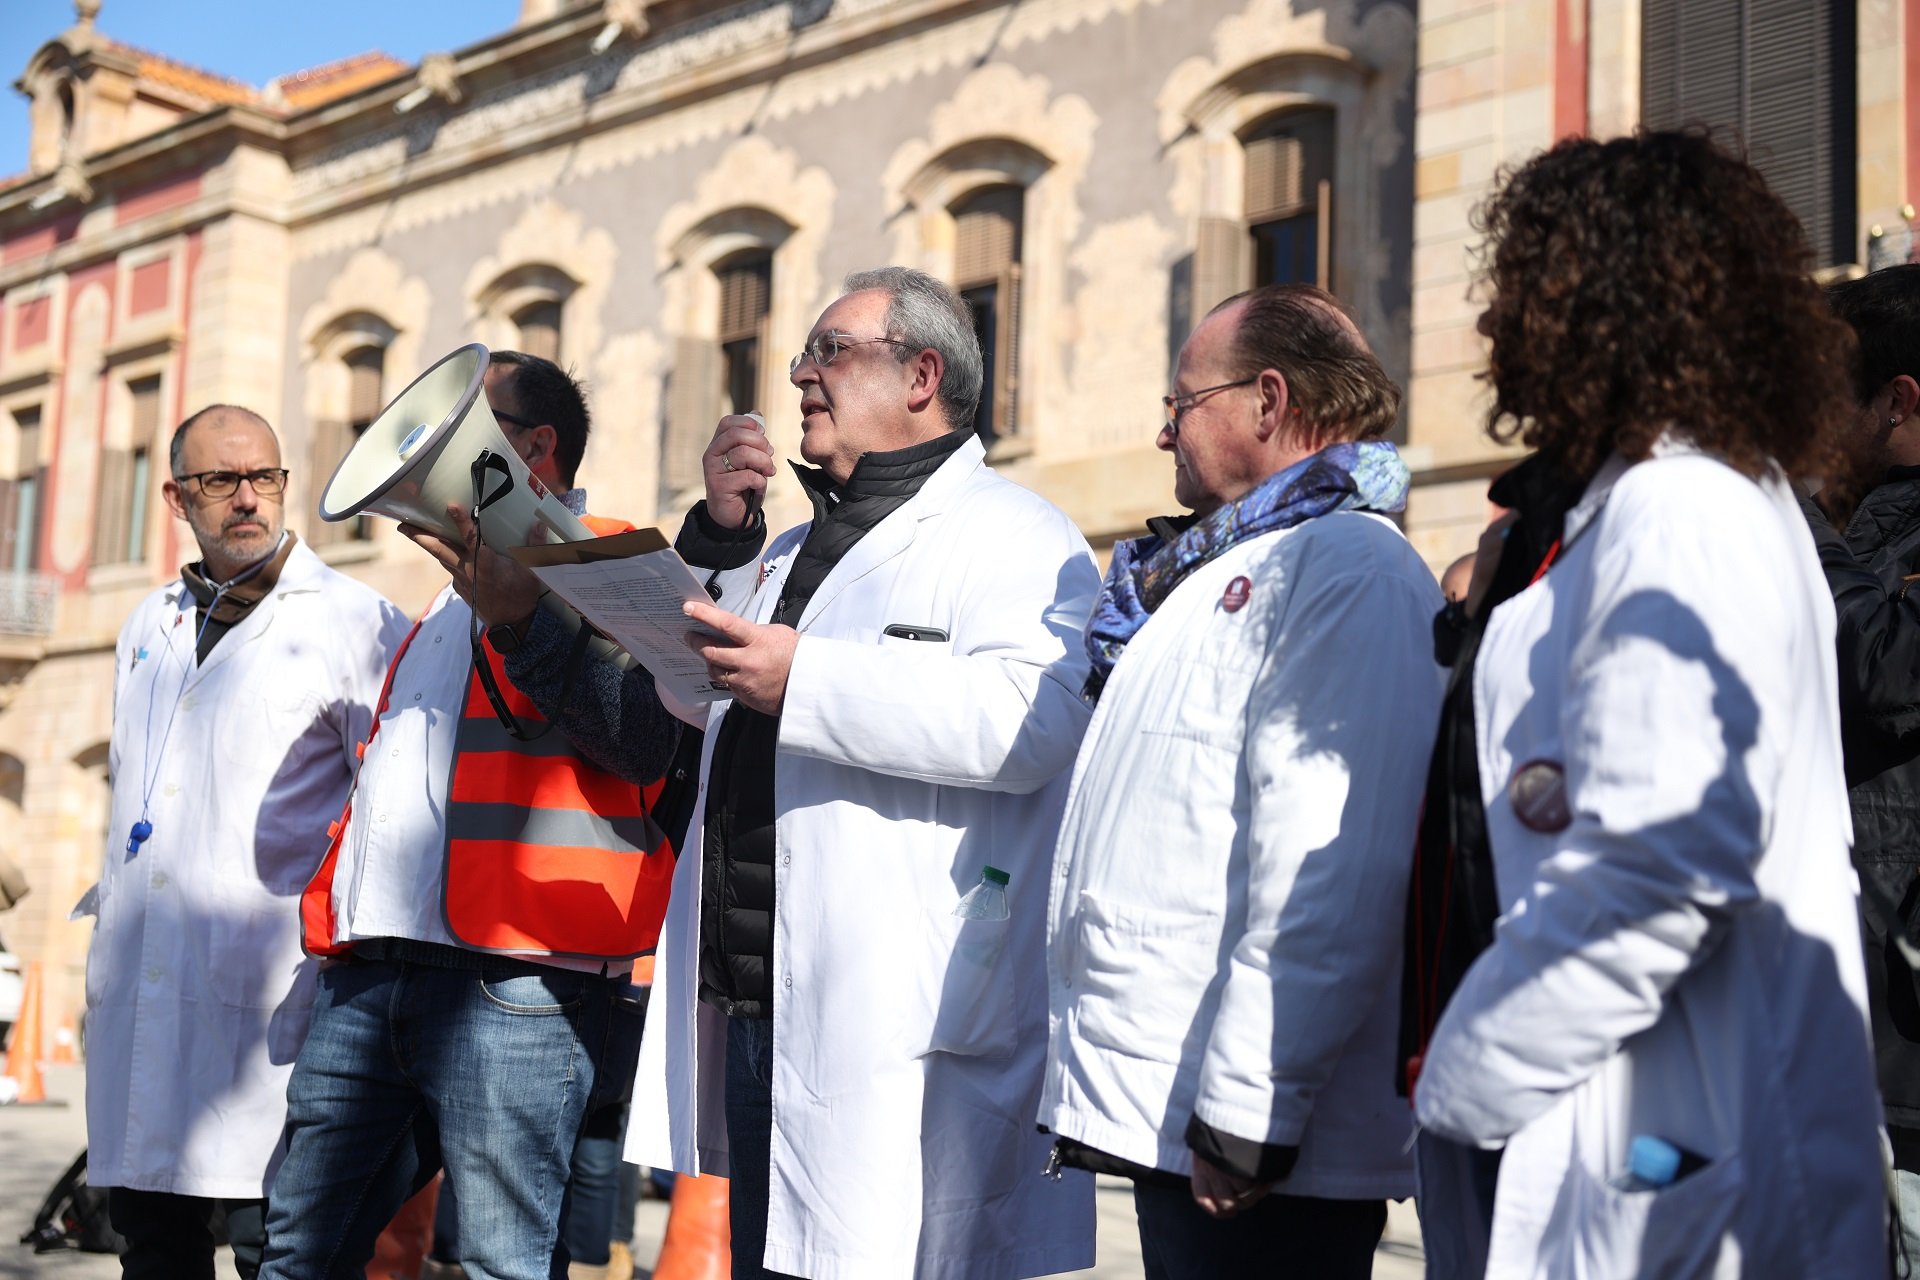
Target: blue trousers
[(750, 1143), (413, 1064)]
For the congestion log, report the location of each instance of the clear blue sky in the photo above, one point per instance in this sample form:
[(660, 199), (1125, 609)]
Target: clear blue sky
[(250, 40)]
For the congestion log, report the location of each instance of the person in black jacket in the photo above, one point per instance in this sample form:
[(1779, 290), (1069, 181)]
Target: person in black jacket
[(1873, 568)]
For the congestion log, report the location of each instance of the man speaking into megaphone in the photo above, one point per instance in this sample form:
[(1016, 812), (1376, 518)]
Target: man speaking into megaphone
[(486, 880), (830, 1026)]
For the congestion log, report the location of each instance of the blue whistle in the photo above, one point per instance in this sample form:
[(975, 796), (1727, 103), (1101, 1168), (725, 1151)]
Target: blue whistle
[(138, 836)]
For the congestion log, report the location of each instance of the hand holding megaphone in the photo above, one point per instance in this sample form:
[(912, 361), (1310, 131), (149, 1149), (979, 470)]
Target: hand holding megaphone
[(496, 587), (737, 465)]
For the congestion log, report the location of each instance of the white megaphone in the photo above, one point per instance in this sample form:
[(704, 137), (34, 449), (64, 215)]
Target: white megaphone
[(417, 459), (437, 445)]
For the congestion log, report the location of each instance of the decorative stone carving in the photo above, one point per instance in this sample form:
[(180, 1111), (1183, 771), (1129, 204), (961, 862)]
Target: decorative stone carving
[(756, 196), (1003, 127), (1269, 57), (547, 234)]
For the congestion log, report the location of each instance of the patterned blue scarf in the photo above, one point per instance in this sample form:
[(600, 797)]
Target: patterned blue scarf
[(1363, 476)]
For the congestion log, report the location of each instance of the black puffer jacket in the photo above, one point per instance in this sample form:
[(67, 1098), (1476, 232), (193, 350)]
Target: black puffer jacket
[(736, 881), (1878, 608)]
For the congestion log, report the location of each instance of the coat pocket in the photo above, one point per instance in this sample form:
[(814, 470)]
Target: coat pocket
[(1141, 974), (1680, 1232), (970, 992)]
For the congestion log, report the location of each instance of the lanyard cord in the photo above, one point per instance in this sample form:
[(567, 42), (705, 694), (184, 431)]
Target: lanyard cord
[(150, 766)]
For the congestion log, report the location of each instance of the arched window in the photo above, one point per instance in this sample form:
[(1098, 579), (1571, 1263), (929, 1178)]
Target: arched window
[(988, 226), (1289, 198), (723, 292)]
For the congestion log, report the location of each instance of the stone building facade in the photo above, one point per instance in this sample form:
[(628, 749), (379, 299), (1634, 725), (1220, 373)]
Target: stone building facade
[(662, 194)]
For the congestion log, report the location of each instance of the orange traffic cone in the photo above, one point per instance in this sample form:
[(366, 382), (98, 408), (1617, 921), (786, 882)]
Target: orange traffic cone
[(697, 1246), (23, 1051), (62, 1054), (404, 1245)]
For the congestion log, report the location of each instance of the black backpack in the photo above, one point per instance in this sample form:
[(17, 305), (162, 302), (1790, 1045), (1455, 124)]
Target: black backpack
[(74, 1215)]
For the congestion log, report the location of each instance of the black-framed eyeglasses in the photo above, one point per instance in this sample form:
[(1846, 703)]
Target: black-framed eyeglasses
[(501, 415), (1177, 405), (266, 482), (826, 348)]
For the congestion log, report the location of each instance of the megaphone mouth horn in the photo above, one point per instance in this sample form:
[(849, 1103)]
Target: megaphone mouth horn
[(424, 417)]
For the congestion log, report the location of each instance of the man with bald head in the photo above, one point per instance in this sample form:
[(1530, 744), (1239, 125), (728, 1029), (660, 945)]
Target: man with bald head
[(240, 690), (1231, 874)]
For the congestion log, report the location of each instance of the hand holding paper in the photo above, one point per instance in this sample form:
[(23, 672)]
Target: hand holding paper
[(632, 587), (749, 661)]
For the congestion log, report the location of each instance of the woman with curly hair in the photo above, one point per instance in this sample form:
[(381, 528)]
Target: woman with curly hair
[(1640, 774)]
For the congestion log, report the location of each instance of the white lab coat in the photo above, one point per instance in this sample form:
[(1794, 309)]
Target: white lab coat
[(1684, 959), (198, 994), (908, 1045), (1230, 885)]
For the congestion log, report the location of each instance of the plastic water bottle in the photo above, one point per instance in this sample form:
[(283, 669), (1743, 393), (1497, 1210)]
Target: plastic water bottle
[(986, 900), (1652, 1163)]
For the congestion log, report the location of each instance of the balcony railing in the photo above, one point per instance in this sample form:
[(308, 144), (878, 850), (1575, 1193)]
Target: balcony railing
[(27, 602)]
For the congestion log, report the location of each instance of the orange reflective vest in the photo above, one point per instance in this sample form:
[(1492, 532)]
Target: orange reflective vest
[(545, 853)]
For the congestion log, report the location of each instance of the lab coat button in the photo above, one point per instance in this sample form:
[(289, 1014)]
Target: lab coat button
[(154, 974), (159, 880), (171, 789), (383, 817), (416, 697), (787, 981)]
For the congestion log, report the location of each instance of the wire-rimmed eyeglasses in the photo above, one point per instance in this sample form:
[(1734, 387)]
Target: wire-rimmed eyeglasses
[(826, 348), (1179, 404)]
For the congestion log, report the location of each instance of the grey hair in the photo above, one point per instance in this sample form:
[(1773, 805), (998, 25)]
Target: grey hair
[(924, 313)]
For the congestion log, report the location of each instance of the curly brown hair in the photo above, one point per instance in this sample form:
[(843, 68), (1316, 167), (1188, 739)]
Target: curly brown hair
[(1653, 282)]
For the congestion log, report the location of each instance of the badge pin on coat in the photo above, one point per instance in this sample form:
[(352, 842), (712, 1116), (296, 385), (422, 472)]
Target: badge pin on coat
[(1238, 592), (1538, 793)]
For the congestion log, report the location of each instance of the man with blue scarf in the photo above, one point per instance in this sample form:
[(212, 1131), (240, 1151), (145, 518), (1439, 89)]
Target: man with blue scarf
[(1230, 879)]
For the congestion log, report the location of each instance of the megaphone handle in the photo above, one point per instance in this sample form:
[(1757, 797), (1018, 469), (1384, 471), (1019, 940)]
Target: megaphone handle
[(487, 461)]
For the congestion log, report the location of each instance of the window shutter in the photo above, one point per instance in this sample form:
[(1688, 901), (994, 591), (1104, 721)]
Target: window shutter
[(1006, 356), (20, 503), (693, 410), (33, 510), (746, 289), (1222, 262), (330, 440), (540, 330), (987, 233), (10, 549), (110, 512), (1776, 76), (1285, 163), (366, 370)]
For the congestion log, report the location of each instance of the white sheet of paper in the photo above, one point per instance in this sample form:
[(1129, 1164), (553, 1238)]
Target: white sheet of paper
[(631, 586)]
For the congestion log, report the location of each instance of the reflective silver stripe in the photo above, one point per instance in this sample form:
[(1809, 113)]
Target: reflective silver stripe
[(554, 828), (486, 733)]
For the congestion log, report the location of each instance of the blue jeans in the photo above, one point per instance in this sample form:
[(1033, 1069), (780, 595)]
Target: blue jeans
[(412, 1064), (749, 1143), (589, 1215)]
